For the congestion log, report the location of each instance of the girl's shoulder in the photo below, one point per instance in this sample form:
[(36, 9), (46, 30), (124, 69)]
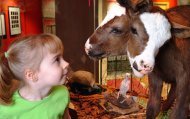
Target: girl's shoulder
[(60, 88), (60, 91)]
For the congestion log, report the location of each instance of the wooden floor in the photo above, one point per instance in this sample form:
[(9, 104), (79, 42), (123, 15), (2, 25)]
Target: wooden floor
[(89, 107)]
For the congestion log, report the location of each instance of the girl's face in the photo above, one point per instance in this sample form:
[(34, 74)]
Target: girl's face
[(53, 70)]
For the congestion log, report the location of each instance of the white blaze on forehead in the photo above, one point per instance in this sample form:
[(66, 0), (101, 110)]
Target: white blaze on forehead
[(158, 29), (115, 10)]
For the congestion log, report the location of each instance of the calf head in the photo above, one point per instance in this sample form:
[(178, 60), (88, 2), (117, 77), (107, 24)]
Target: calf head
[(110, 35), (138, 36)]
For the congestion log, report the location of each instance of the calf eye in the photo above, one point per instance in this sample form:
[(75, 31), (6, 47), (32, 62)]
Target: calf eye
[(133, 30), (116, 31)]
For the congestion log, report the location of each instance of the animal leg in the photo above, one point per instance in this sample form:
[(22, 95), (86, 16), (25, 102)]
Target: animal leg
[(170, 98), (180, 110), (154, 102)]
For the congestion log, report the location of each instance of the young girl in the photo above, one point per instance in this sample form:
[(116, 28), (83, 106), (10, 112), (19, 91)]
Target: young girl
[(37, 62)]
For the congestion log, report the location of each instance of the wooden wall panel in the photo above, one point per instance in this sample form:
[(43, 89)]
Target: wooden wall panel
[(74, 24)]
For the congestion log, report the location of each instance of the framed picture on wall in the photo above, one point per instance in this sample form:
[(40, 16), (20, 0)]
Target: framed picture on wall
[(2, 25), (14, 19)]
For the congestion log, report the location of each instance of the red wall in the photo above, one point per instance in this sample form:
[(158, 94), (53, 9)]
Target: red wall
[(31, 18)]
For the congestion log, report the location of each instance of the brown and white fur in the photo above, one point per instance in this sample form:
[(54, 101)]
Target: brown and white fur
[(145, 38)]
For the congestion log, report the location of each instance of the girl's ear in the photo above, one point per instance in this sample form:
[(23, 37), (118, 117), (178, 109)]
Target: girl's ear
[(30, 75)]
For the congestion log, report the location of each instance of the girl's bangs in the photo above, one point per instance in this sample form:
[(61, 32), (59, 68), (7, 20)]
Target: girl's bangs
[(53, 44)]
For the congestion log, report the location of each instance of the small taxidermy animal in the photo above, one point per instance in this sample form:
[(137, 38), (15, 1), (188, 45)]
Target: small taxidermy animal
[(83, 77), (83, 82), (125, 85)]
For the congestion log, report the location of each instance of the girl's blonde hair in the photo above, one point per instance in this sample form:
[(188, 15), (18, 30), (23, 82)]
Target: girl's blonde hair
[(24, 53)]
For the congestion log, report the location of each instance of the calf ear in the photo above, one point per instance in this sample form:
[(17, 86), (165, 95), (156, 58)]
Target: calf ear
[(123, 2), (180, 21), (180, 31), (136, 6)]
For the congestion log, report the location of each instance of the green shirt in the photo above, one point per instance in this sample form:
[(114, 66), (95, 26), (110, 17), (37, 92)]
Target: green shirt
[(51, 107)]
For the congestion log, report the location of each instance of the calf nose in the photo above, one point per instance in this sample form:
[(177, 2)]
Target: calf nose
[(90, 53), (135, 66), (87, 44), (146, 66), (86, 50)]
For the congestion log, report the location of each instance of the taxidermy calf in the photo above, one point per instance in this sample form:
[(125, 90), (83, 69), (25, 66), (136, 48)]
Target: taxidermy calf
[(144, 34)]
